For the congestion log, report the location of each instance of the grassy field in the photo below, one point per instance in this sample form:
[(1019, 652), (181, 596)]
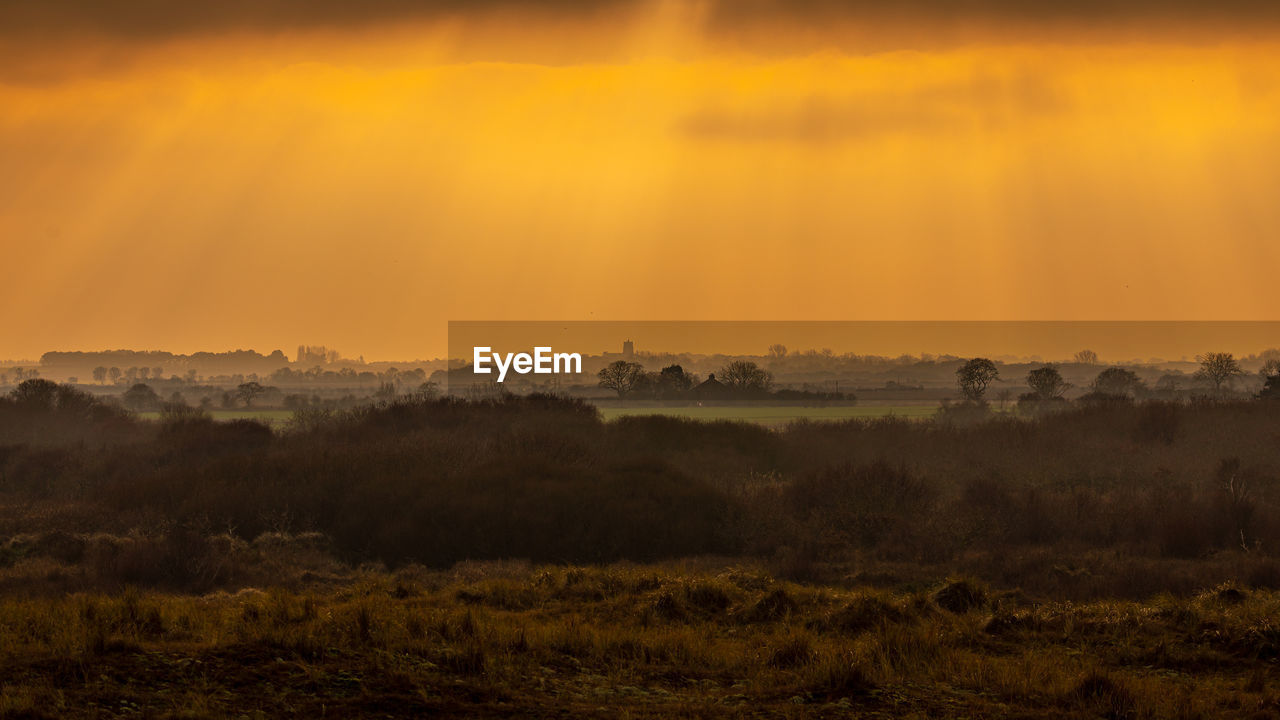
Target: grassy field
[(510, 640), (764, 415)]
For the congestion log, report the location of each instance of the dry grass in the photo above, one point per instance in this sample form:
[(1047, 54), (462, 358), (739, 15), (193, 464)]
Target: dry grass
[(639, 641)]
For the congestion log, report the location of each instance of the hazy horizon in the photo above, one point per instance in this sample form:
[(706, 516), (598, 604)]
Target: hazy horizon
[(1119, 341)]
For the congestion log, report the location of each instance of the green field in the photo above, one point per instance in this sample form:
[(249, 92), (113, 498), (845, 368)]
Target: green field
[(765, 415), (774, 415)]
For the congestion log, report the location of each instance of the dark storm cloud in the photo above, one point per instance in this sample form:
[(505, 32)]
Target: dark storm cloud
[(143, 19), (47, 41), (163, 18), (1082, 12), (867, 26)]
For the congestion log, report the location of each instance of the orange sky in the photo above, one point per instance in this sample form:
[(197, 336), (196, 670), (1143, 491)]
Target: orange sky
[(358, 185)]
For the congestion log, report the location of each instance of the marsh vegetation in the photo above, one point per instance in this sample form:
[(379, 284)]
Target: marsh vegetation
[(1109, 558)]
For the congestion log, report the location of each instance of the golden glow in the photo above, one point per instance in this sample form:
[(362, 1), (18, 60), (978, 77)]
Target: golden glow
[(362, 190)]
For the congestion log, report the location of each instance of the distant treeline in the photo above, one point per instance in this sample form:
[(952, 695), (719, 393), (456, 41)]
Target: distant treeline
[(436, 481), (127, 368), (741, 380), (83, 364)]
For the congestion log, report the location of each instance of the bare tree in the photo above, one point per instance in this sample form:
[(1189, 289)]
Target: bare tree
[(1270, 368), (1086, 357), (974, 376), (248, 391), (1219, 368), (114, 374), (621, 376), (1004, 396), (1047, 383), (99, 374), (746, 375), (20, 374), (777, 351)]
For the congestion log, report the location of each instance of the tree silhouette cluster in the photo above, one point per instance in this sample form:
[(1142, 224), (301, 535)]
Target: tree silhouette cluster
[(737, 380)]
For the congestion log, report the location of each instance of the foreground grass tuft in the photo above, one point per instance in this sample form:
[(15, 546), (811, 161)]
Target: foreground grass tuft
[(504, 640)]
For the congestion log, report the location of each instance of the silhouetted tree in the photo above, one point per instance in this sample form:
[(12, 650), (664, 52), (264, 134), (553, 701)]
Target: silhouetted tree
[(428, 391), (1169, 383), (1270, 373), (1270, 368), (36, 394), (386, 391), (974, 376), (1004, 396), (745, 376), (1219, 368), (99, 374), (777, 351), (140, 398), (1087, 357), (1118, 381), (1047, 383), (43, 396), (1270, 388), (249, 391), (157, 372), (114, 374), (621, 376), (646, 386), (673, 381)]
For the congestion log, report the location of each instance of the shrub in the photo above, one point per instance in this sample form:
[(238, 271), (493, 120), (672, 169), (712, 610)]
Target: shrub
[(960, 596)]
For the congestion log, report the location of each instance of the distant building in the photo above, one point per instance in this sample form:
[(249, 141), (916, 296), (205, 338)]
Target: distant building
[(628, 349), (711, 389)]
